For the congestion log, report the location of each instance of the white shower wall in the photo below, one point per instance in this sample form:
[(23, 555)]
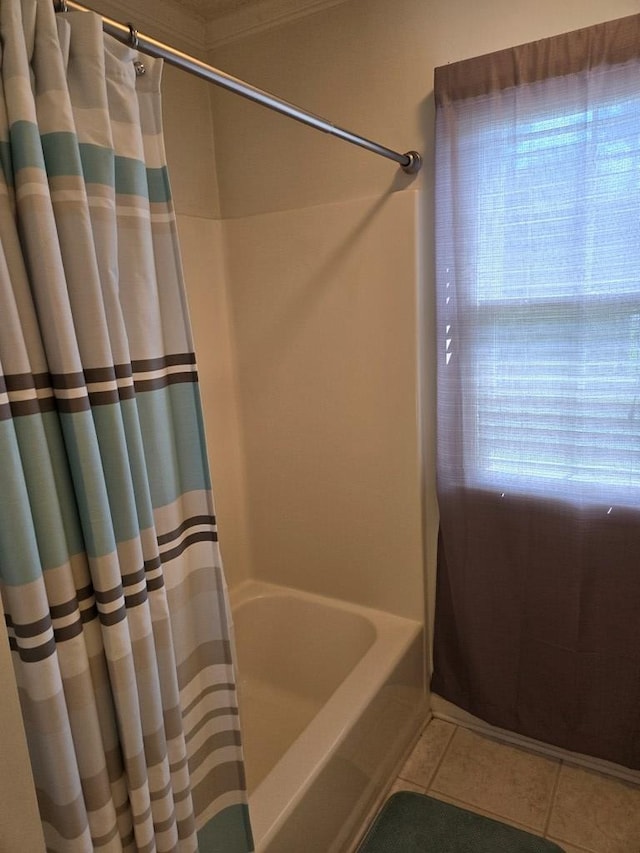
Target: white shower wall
[(323, 308)]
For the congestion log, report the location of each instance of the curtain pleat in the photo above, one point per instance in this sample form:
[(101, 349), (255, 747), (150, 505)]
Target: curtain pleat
[(112, 585)]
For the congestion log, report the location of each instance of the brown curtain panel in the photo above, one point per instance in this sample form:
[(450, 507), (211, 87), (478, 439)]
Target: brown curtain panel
[(537, 626)]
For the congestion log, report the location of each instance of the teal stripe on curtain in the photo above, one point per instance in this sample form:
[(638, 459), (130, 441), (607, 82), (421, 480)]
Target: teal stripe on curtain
[(158, 185), (98, 164), (32, 455), (131, 177), (25, 145), (176, 412), (91, 497), (129, 507), (115, 423), (18, 546)]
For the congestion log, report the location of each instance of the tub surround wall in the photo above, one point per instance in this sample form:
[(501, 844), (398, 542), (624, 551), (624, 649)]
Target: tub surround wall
[(323, 307)]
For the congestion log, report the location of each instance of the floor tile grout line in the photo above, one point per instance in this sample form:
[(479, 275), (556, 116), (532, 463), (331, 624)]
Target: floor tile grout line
[(553, 810), (552, 799), (431, 777), (461, 801), (441, 759)]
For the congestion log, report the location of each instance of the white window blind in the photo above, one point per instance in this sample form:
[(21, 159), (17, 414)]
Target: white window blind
[(538, 273)]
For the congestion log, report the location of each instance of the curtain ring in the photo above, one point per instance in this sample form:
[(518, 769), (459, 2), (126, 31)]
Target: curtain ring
[(133, 36)]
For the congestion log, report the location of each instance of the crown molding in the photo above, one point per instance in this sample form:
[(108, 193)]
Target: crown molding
[(259, 16), (181, 26), (163, 20)]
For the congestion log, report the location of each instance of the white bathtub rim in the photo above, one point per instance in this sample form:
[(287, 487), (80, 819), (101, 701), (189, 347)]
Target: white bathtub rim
[(250, 589), (275, 798)]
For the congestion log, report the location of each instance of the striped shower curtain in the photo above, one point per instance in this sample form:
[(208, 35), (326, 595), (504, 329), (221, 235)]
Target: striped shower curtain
[(113, 592)]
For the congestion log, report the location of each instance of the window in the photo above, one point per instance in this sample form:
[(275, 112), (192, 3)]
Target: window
[(538, 298), (539, 281)]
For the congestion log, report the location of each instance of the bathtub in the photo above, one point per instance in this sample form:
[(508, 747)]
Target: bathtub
[(331, 695)]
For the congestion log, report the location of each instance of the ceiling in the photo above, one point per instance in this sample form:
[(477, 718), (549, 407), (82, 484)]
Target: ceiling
[(212, 9), (199, 26)]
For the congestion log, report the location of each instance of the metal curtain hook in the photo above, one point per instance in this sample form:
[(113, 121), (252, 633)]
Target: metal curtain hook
[(133, 36), (61, 6)]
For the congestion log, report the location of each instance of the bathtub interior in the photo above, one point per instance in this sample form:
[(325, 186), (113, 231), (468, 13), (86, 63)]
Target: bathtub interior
[(331, 696), (293, 655)]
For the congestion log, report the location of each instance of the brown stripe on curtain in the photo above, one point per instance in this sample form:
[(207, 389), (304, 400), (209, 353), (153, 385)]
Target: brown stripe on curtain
[(195, 520)]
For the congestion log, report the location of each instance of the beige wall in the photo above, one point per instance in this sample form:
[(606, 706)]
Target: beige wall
[(351, 64), (188, 133)]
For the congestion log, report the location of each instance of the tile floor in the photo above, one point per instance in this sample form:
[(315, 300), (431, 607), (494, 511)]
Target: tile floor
[(582, 811)]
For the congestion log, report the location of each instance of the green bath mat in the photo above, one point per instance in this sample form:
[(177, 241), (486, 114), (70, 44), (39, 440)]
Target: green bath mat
[(415, 823)]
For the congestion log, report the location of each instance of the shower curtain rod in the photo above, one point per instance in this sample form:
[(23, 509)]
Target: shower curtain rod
[(410, 162)]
